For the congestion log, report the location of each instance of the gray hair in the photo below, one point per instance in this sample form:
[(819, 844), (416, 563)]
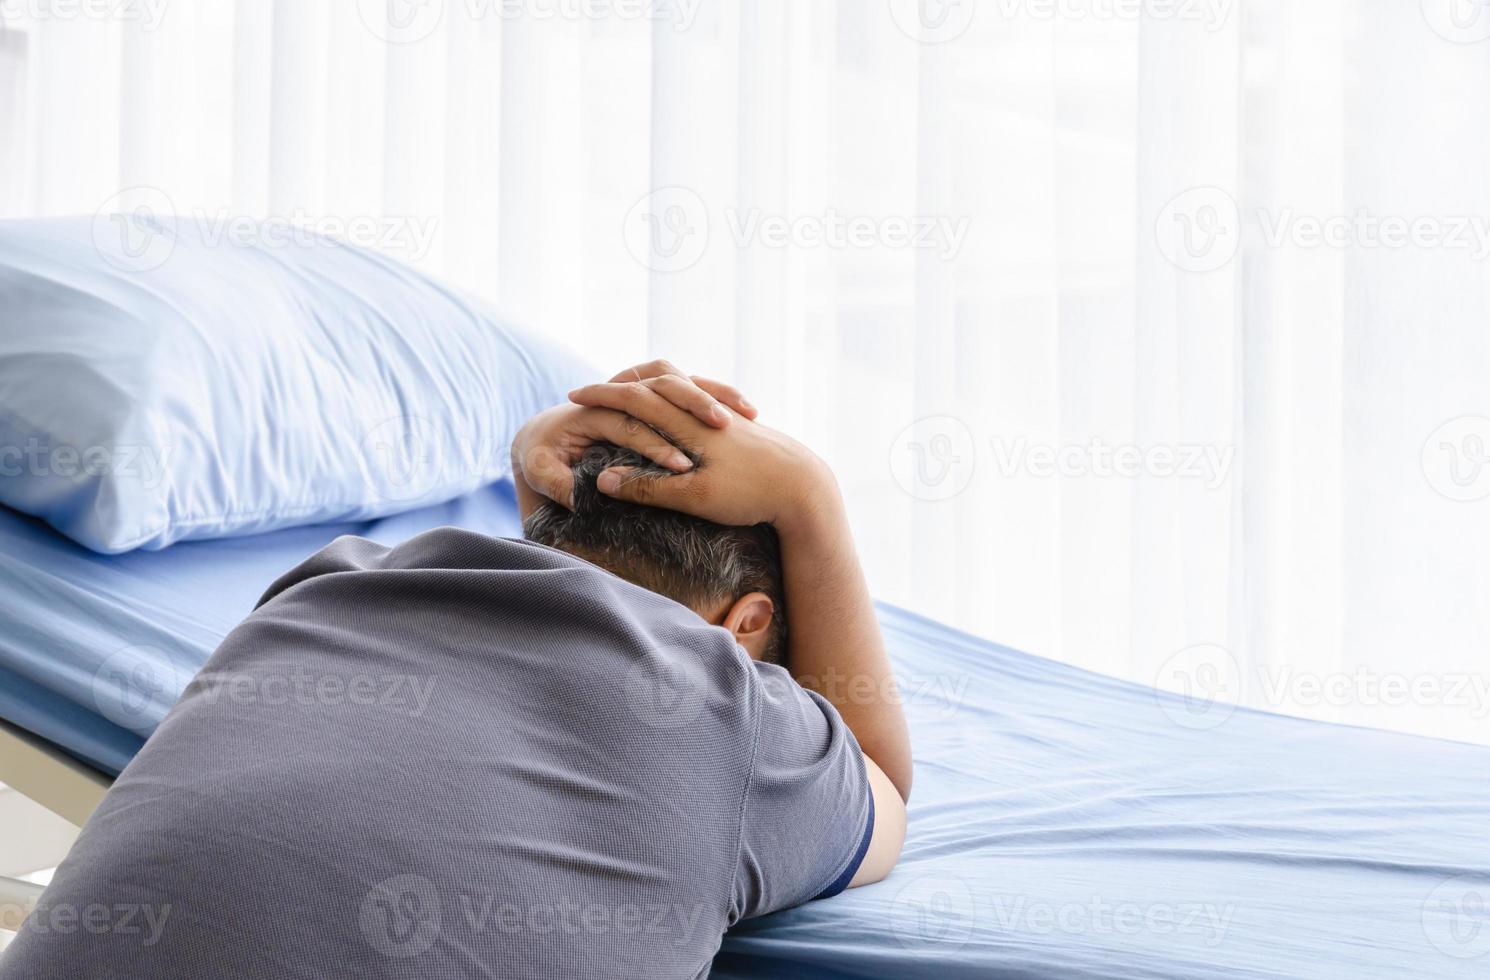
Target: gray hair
[(686, 558)]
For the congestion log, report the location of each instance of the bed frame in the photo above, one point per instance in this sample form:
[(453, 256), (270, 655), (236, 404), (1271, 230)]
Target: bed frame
[(44, 773), (17, 899), (37, 769)]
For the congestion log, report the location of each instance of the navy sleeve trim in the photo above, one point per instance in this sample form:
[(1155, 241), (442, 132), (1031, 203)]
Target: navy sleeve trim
[(841, 882)]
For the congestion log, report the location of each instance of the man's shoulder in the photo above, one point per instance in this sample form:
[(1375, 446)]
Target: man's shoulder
[(442, 549)]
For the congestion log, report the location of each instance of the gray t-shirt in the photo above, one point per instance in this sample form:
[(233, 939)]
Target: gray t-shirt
[(459, 757)]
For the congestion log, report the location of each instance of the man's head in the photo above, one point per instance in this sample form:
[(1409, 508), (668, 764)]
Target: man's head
[(731, 576)]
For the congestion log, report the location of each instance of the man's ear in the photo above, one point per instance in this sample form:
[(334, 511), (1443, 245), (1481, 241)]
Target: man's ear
[(750, 620)]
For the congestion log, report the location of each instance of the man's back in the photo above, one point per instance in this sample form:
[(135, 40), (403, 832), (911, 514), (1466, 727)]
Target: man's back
[(460, 757)]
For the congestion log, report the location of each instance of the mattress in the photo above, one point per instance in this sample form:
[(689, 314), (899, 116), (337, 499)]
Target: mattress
[(1063, 825), (97, 648)]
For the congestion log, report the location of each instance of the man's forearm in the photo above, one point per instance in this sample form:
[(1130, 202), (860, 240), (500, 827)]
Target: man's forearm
[(834, 640)]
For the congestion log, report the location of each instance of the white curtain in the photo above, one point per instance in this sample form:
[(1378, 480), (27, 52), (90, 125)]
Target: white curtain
[(1136, 330)]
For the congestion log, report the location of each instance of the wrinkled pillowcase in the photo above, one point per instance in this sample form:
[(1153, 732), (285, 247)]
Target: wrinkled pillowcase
[(159, 383)]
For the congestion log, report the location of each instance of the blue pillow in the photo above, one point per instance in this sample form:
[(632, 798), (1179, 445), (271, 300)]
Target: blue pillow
[(163, 380)]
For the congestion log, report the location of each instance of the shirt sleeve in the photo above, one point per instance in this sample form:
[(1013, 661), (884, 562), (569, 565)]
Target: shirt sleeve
[(808, 814)]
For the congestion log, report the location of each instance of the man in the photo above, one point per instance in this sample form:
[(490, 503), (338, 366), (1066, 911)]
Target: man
[(517, 760)]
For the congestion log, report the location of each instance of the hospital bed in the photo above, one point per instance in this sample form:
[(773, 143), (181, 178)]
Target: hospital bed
[(1063, 825)]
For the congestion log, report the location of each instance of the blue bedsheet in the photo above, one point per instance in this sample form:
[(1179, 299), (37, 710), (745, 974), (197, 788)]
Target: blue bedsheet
[(97, 648), (1063, 826)]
